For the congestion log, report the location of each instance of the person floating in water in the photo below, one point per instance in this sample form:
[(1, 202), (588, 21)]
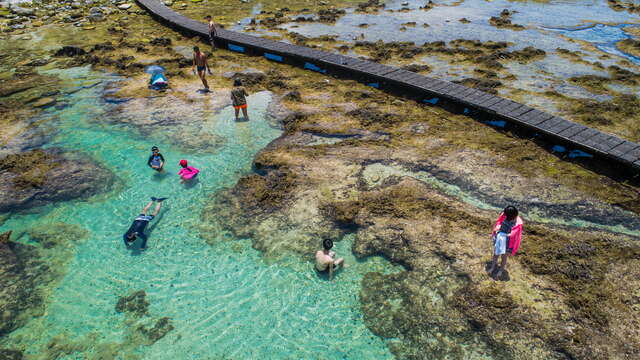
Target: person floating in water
[(506, 236), (238, 97), (156, 160), (200, 62), (140, 223), (325, 261), (187, 172), (213, 33)]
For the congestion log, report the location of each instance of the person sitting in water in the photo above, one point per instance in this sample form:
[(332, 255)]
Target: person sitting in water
[(325, 261), (140, 223), (506, 236), (187, 172), (239, 99), (156, 160)]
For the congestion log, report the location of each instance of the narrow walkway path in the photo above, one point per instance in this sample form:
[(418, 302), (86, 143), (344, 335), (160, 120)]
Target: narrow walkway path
[(556, 129)]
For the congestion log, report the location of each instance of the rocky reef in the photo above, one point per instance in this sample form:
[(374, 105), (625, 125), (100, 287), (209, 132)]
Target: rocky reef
[(38, 177), (30, 269), (418, 195)]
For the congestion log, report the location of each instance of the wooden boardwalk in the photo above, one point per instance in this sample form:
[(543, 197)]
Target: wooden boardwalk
[(565, 132)]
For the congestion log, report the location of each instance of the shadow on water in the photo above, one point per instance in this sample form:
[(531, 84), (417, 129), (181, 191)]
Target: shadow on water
[(160, 176), (189, 184)]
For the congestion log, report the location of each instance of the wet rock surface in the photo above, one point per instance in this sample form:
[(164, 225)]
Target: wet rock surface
[(28, 271), (38, 177), (134, 303)]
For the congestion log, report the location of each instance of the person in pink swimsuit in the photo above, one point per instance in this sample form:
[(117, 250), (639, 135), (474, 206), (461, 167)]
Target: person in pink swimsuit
[(187, 172)]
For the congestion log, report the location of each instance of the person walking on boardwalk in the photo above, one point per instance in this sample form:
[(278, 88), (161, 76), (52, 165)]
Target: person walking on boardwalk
[(239, 99), (506, 237), (213, 33), (140, 223), (200, 63)]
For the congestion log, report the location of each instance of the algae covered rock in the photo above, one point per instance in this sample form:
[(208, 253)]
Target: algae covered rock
[(28, 271), (135, 303), (37, 177)]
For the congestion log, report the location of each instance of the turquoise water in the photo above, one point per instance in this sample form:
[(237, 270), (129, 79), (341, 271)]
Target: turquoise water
[(225, 300)]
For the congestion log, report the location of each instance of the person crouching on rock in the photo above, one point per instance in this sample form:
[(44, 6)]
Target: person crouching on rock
[(140, 223), (187, 172), (200, 62), (506, 237), (239, 99), (325, 261), (156, 160)]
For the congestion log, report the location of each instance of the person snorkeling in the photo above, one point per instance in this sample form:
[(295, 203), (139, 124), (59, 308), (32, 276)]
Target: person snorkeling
[(156, 160), (140, 223)]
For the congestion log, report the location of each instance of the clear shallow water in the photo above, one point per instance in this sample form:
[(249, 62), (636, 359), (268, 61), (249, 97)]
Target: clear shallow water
[(225, 300)]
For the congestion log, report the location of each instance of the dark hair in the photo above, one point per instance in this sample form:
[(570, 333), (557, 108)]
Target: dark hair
[(237, 82), (327, 244), (154, 148), (208, 17), (195, 48), (511, 212)]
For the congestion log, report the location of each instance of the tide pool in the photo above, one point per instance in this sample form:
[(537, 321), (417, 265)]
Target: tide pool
[(224, 301)]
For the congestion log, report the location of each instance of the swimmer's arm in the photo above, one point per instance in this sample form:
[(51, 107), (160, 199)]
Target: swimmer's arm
[(149, 161), (193, 68), (161, 160)]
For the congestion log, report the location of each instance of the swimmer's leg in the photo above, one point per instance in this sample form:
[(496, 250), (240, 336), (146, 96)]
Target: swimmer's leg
[(244, 112), (237, 111), (146, 208), (157, 210)]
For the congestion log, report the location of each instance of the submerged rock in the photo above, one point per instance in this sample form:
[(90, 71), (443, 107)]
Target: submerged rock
[(135, 303), (27, 271), (161, 328), (38, 177)]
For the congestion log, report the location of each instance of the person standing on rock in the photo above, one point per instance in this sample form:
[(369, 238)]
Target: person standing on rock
[(200, 62), (325, 261), (239, 99), (506, 237), (213, 33), (140, 223)]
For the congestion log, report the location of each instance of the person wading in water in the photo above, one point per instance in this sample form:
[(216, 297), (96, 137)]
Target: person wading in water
[(200, 62)]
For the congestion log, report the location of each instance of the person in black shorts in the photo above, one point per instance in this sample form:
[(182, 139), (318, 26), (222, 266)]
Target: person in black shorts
[(140, 223), (200, 62), (213, 33)]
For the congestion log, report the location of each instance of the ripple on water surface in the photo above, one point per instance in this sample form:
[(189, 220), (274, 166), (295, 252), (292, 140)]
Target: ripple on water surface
[(224, 300)]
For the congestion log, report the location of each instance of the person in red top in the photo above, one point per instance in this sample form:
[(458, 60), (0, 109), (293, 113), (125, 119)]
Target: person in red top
[(506, 237)]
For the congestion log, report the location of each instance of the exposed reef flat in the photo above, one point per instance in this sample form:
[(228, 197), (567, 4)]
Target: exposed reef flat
[(415, 183)]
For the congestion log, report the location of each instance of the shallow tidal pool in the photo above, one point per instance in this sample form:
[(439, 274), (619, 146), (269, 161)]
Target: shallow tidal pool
[(225, 301)]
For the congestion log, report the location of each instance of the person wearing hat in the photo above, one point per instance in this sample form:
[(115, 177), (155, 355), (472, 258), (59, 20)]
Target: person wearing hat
[(187, 172), (156, 160)]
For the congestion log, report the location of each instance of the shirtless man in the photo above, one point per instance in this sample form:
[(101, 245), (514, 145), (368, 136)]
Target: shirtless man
[(200, 61), (213, 33), (325, 261)]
